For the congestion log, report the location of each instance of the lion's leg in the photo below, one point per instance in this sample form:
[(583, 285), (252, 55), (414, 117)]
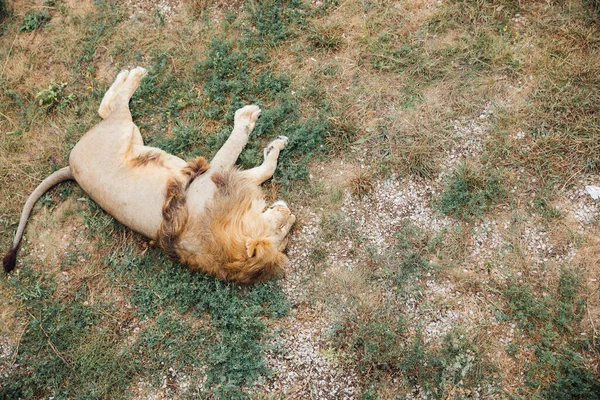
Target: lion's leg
[(119, 105), (267, 168), (244, 121), (111, 93)]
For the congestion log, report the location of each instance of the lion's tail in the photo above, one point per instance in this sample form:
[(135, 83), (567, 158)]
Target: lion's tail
[(57, 177)]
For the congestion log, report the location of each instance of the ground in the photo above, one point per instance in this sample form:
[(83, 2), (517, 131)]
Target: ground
[(445, 246)]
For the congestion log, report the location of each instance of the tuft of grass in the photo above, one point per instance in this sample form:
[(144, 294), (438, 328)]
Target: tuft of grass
[(325, 37), (34, 20), (362, 184), (4, 12), (469, 193)]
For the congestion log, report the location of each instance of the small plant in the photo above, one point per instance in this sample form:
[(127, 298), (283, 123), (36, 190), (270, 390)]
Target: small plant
[(325, 37), (274, 19), (362, 184), (470, 193), (35, 20), (54, 97)]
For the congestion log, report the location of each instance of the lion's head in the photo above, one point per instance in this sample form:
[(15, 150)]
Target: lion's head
[(237, 238)]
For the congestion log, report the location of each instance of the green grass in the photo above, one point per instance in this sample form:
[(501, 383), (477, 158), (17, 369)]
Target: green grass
[(380, 342), (469, 193), (4, 12), (65, 350), (33, 20), (551, 323)]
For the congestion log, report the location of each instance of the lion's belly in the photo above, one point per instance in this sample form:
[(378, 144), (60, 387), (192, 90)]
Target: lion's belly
[(133, 199), (133, 194)]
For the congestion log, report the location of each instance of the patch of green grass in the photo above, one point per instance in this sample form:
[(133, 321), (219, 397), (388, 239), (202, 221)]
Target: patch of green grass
[(551, 323), (34, 20), (469, 193), (231, 348), (67, 348), (380, 342), (273, 20), (4, 12), (229, 82)]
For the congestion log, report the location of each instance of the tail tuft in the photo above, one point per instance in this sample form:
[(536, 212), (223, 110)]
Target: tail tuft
[(10, 260)]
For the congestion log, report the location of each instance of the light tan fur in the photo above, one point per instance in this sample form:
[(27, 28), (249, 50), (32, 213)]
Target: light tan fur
[(211, 218)]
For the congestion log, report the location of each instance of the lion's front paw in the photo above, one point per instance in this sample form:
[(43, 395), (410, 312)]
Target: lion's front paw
[(278, 144), (247, 116)]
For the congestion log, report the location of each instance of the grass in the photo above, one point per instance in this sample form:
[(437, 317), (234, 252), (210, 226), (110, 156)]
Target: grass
[(551, 323), (470, 193), (96, 312), (4, 12), (382, 343)]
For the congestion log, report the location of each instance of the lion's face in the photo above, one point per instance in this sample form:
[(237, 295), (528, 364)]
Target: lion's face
[(278, 217)]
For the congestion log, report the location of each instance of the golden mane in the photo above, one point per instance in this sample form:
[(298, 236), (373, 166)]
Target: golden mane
[(231, 240)]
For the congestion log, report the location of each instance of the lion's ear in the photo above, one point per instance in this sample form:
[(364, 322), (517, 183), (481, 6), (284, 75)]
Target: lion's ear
[(258, 247)]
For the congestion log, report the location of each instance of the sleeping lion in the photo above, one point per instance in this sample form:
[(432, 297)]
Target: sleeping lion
[(212, 218)]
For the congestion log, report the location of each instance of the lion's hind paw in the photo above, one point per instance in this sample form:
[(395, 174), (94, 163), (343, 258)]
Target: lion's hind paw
[(247, 115)]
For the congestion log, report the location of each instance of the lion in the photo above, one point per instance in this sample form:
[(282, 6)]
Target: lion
[(210, 216)]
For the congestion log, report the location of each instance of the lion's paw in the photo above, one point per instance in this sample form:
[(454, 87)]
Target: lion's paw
[(138, 73), (278, 144), (247, 116)]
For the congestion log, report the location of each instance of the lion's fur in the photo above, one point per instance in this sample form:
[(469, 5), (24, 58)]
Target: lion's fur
[(230, 240), (174, 211)]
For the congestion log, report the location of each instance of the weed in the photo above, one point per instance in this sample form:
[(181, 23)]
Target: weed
[(54, 97), (470, 193), (35, 20), (273, 20), (374, 338)]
